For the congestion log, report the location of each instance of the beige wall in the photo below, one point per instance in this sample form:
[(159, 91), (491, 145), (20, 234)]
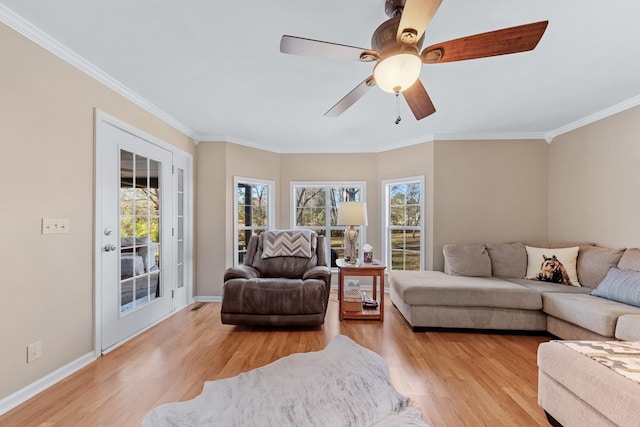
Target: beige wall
[(217, 165), (489, 191), (46, 281), (210, 234), (594, 182)]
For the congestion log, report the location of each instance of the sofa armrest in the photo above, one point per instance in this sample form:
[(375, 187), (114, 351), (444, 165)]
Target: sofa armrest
[(317, 272), (241, 272)]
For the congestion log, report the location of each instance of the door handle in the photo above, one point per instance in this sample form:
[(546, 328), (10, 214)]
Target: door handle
[(109, 247)]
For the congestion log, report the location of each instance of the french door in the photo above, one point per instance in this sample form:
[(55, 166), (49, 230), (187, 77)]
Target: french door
[(140, 233), (182, 231)]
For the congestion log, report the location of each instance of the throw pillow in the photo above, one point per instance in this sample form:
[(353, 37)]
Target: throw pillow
[(508, 259), (553, 265), (594, 262), (621, 286), (467, 260), (630, 259), (293, 243)]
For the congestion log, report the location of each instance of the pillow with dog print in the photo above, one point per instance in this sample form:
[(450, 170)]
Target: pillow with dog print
[(621, 286), (553, 265)]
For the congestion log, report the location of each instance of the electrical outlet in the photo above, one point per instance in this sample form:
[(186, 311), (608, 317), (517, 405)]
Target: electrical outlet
[(34, 351), (55, 225)]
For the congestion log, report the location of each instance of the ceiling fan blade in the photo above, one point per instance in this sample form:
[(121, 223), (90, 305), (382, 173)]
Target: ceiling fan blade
[(416, 16), (419, 101), (309, 47), (351, 98), (493, 43)]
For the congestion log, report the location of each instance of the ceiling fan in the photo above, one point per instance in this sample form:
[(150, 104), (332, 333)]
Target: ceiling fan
[(395, 47)]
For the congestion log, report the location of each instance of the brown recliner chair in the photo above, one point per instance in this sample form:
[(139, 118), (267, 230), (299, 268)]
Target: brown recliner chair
[(274, 288)]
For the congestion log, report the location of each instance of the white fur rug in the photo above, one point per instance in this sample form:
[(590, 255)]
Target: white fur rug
[(343, 385)]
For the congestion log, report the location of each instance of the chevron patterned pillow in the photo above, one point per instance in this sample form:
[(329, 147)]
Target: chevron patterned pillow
[(295, 243)]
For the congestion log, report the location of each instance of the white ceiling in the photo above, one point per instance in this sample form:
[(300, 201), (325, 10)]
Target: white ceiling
[(214, 70)]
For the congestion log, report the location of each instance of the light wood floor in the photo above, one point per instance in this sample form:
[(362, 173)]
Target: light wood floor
[(456, 379)]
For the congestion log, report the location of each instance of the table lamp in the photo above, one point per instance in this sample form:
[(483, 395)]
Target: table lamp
[(352, 214)]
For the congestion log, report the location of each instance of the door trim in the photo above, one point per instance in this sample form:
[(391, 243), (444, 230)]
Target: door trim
[(102, 119)]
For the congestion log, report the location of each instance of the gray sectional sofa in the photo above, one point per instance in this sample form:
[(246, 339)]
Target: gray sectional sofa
[(483, 287), (590, 381)]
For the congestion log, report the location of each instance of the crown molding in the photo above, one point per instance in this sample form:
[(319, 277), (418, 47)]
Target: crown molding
[(480, 136), (395, 146), (614, 109), (39, 37), (238, 141)]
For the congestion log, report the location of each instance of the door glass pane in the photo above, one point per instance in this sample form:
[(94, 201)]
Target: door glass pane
[(139, 230), (181, 231)]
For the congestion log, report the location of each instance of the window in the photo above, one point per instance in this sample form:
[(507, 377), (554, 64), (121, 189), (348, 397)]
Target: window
[(403, 222), (253, 212), (315, 207)]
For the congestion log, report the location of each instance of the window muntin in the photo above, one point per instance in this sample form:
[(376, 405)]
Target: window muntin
[(404, 223)]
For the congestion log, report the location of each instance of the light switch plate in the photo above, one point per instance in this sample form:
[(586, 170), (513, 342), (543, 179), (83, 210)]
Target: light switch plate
[(55, 225)]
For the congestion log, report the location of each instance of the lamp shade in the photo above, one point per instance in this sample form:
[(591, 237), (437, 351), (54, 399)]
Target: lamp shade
[(352, 213)]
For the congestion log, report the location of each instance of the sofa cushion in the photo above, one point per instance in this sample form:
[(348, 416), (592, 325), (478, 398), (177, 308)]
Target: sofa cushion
[(467, 260), (508, 259), (539, 286), (540, 260), (630, 259), (435, 288), (595, 314), (594, 262), (628, 327), (620, 285)]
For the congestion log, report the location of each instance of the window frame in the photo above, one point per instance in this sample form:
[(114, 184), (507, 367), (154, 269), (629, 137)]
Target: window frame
[(294, 185), (387, 228), (271, 202)]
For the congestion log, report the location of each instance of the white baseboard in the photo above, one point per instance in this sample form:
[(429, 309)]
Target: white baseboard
[(44, 383), (207, 299)]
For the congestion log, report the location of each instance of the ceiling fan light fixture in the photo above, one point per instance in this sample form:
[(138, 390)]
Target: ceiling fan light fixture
[(396, 73)]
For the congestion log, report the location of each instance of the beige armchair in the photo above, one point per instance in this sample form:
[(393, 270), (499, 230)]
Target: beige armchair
[(285, 280)]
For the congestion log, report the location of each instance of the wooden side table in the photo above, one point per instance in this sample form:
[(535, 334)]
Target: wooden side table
[(373, 269)]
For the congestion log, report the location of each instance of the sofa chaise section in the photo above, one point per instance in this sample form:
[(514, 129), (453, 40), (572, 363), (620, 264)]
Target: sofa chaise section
[(436, 299)]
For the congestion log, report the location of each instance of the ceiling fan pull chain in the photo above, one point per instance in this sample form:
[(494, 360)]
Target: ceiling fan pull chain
[(398, 118)]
